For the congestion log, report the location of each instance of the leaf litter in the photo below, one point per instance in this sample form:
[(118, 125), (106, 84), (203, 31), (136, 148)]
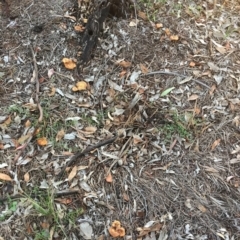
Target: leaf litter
[(173, 170)]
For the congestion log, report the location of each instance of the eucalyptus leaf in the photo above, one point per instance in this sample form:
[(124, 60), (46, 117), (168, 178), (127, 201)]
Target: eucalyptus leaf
[(166, 92)]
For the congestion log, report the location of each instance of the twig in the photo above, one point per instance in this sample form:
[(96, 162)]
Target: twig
[(87, 150), (37, 86), (176, 74)]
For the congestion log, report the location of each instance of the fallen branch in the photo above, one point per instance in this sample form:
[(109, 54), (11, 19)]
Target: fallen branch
[(80, 154)]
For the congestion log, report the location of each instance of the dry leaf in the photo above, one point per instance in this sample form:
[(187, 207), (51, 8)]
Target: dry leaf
[(65, 201), (213, 88), (125, 197), (132, 24), (5, 177), (27, 124), (192, 64), (26, 177), (221, 49), (60, 135), (90, 129), (73, 173), (50, 72), (174, 37), (193, 97), (80, 86), (167, 31), (69, 63), (109, 178), (158, 25), (5, 123), (143, 15), (122, 73), (42, 141), (215, 144), (113, 232), (79, 28), (125, 64), (52, 93), (201, 208), (143, 68), (116, 230), (24, 138)]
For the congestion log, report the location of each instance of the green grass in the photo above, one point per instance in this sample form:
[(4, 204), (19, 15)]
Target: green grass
[(177, 126), (44, 208)]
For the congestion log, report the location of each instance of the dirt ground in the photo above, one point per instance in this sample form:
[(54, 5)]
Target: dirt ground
[(160, 95)]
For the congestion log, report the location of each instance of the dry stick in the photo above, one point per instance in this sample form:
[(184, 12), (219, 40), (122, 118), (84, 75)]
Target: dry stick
[(176, 74), (84, 152), (37, 86)]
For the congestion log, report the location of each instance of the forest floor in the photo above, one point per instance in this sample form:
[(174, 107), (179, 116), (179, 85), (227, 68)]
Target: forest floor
[(156, 111)]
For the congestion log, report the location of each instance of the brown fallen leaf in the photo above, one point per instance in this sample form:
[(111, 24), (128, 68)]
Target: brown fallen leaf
[(143, 68), (215, 144), (158, 25), (42, 141), (174, 37), (80, 86), (142, 15), (26, 177), (109, 178), (72, 174), (65, 201), (201, 208), (167, 31), (124, 64), (69, 63), (60, 135), (79, 28), (5, 177), (52, 93), (193, 97), (6, 123), (192, 64)]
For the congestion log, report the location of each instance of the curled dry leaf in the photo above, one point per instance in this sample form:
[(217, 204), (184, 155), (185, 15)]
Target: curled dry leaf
[(52, 93), (60, 135), (192, 64), (116, 230), (174, 37), (79, 28), (42, 141), (167, 31), (158, 25), (26, 177), (142, 15), (124, 64), (6, 123), (5, 177), (109, 178), (80, 86), (69, 63), (27, 124)]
